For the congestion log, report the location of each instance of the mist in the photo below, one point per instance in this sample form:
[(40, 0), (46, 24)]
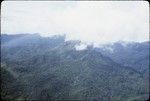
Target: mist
[(91, 22)]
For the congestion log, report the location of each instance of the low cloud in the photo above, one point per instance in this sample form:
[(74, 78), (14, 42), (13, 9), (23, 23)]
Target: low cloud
[(81, 47), (96, 22)]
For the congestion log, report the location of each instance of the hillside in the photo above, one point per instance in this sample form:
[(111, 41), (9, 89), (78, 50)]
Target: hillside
[(133, 54), (51, 68)]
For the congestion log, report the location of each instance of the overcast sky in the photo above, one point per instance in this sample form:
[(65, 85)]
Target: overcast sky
[(88, 21)]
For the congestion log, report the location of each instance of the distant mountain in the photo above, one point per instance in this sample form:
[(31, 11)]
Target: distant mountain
[(52, 69), (27, 45), (134, 54)]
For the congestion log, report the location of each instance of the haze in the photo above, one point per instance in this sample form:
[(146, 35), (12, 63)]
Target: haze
[(89, 21)]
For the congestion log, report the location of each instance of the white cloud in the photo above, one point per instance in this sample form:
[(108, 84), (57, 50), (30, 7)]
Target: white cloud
[(81, 46), (89, 21)]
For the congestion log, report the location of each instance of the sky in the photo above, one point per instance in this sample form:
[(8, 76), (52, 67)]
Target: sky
[(94, 22)]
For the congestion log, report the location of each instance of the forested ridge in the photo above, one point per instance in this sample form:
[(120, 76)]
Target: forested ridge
[(50, 68)]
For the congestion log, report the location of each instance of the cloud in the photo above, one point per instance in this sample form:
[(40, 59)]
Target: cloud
[(95, 22), (81, 46)]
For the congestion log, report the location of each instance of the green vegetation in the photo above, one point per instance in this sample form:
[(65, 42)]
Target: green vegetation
[(51, 69)]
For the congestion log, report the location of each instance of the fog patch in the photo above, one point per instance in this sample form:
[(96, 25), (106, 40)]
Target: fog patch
[(80, 47)]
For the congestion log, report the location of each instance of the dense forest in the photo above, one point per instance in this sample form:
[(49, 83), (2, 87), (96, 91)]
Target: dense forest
[(50, 68)]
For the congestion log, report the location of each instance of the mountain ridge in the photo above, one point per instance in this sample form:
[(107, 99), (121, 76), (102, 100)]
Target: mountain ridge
[(52, 69)]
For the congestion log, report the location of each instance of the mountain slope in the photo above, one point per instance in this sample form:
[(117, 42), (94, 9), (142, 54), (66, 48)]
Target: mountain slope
[(135, 55), (62, 73)]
